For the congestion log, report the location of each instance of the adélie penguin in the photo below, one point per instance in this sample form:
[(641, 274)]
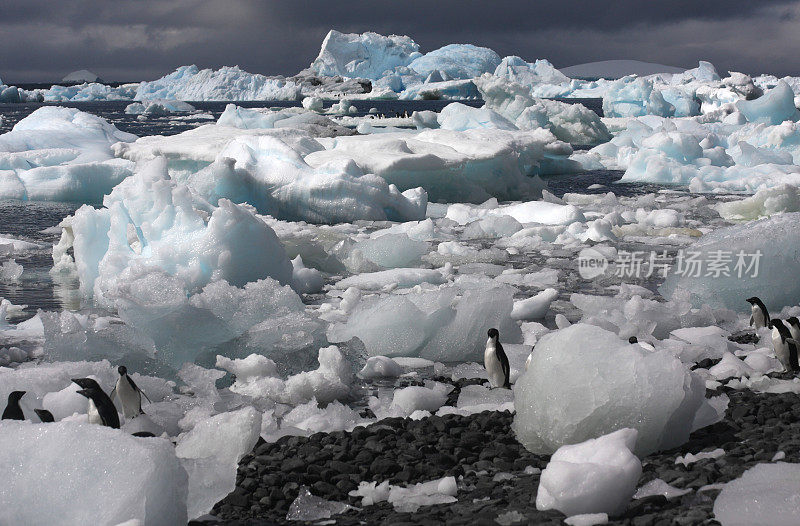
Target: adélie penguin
[(101, 408), (760, 316), (784, 345), (794, 327), (496, 361), (44, 415), (13, 411), (129, 394)]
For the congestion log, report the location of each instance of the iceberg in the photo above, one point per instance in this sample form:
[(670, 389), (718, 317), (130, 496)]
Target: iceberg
[(158, 107), (227, 83), (773, 107), (368, 55), (82, 75), (514, 69), (564, 396), (61, 154), (633, 97), (457, 61)]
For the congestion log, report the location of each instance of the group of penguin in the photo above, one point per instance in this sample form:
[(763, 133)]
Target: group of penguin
[(101, 409), (785, 342)]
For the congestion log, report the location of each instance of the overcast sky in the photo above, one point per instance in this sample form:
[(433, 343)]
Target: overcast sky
[(42, 40)]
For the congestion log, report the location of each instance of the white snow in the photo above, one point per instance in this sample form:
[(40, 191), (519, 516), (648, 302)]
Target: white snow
[(596, 476)]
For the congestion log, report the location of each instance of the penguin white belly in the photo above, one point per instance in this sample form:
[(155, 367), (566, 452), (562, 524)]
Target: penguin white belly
[(494, 368), (94, 415), (781, 348), (528, 361), (130, 399), (758, 317)]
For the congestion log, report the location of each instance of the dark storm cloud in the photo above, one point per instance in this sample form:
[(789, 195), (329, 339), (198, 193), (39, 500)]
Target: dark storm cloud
[(131, 40)]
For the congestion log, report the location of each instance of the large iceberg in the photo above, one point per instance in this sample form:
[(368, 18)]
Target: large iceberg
[(368, 55), (61, 154), (515, 69), (632, 97), (227, 83), (584, 382)]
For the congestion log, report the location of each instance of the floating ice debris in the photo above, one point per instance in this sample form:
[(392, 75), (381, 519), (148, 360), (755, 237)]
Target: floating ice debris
[(408, 499), (10, 270), (659, 487)]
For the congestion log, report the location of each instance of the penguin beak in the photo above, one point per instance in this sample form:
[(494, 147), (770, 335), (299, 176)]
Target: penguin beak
[(84, 392)]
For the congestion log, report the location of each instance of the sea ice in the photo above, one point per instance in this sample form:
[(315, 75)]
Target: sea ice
[(564, 395), (764, 494), (595, 476), (308, 507)]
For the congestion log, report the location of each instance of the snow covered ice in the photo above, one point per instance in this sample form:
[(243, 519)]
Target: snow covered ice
[(766, 494)]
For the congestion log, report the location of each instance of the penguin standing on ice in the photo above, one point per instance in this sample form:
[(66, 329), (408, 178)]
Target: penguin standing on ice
[(13, 411), (760, 314), (794, 327), (496, 361), (129, 394), (784, 345), (101, 408)]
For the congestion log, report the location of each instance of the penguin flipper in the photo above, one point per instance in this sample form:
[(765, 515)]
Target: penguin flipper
[(148, 399), (114, 390), (751, 320)]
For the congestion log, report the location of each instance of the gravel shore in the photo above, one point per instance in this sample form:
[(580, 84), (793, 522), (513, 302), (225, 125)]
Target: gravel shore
[(490, 465)]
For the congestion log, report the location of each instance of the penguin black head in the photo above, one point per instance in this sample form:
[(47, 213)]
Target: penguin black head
[(493, 333), (86, 383), (782, 329), (44, 415), (794, 322), (753, 300), (15, 395), (633, 339), (122, 370)]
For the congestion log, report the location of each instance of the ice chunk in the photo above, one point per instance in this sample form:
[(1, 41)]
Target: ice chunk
[(659, 487), (633, 97), (158, 107), (766, 202), (108, 477), (534, 308), (510, 517), (690, 458), (391, 250), (586, 519), (307, 507), (564, 396), (757, 267), (541, 212), (774, 107), (408, 499), (380, 367), (416, 398), (457, 61), (403, 278), (152, 222), (596, 476), (368, 55), (306, 280), (310, 418), (210, 453), (515, 69), (10, 270), (764, 494), (226, 83)]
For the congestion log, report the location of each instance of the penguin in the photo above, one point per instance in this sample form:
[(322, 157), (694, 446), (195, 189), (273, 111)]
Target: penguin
[(496, 361), (784, 345), (44, 415), (99, 403), (760, 314), (129, 394), (143, 434), (633, 339), (794, 327), (13, 411)]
